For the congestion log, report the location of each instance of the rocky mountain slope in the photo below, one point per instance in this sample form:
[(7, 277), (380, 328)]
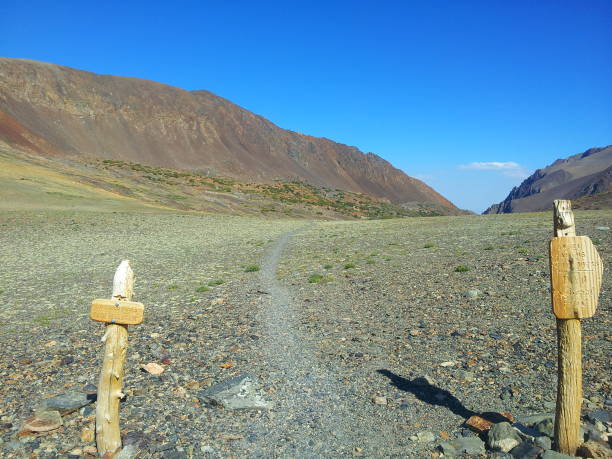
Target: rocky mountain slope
[(586, 175), (57, 111)]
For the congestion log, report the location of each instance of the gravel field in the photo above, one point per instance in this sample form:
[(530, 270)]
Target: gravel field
[(337, 323)]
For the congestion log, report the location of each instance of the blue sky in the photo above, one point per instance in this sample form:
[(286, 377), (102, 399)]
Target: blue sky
[(432, 86)]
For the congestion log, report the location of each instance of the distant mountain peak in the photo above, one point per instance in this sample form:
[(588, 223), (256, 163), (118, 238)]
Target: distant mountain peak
[(577, 176)]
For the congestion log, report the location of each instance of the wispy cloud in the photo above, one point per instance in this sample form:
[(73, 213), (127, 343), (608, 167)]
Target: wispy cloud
[(507, 168)]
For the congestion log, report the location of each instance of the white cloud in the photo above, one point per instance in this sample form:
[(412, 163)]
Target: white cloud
[(508, 168)]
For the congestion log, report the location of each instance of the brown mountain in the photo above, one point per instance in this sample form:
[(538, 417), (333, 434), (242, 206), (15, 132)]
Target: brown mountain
[(57, 111), (587, 176)]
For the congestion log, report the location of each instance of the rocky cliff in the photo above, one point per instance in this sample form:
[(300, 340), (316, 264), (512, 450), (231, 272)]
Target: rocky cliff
[(582, 175)]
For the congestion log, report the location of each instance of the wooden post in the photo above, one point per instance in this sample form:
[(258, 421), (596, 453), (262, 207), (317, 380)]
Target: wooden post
[(115, 341), (576, 272)]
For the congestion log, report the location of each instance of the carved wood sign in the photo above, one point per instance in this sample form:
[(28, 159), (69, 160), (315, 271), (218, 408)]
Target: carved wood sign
[(575, 273)]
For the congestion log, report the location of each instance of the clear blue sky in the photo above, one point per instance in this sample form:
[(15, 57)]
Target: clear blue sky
[(430, 85)]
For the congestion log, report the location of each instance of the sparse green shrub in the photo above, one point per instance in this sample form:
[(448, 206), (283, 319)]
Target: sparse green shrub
[(489, 247), (328, 266), (349, 266), (172, 287), (319, 279), (212, 283), (251, 269), (428, 245), (462, 268), (202, 289), (370, 262)]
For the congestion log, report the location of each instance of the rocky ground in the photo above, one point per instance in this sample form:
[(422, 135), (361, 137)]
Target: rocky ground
[(348, 338)]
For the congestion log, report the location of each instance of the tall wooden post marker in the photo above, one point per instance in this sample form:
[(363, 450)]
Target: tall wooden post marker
[(575, 280), (117, 313)]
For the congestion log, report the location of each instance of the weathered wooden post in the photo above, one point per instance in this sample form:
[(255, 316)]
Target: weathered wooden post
[(117, 313), (575, 278)]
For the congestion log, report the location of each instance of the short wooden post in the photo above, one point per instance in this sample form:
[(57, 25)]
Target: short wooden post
[(116, 313), (576, 272)]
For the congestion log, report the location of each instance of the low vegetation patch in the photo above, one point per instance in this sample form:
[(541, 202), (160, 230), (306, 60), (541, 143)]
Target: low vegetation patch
[(328, 266), (349, 266), (428, 245), (251, 269), (319, 279), (462, 269), (212, 283), (173, 287), (202, 289)]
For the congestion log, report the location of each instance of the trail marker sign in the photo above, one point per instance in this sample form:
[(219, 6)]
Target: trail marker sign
[(575, 276)]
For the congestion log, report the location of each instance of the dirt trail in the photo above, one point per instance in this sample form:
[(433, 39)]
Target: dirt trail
[(315, 414)]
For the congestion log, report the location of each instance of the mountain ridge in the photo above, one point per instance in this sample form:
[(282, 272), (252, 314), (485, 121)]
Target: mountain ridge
[(59, 111), (578, 176)]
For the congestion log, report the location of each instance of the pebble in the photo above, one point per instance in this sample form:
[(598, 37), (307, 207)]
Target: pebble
[(472, 293), (425, 437), (550, 454), (503, 437), (463, 445), (378, 400), (43, 421), (241, 392), (67, 402)]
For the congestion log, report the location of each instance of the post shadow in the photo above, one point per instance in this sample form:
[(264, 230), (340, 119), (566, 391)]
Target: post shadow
[(429, 393)]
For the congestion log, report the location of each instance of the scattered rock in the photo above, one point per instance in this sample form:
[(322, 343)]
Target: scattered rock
[(602, 228), (593, 449), (463, 445), (425, 437), (599, 415), (87, 435), (378, 400), (67, 402), (526, 450), (543, 442), (447, 364), (92, 450), (472, 293), (153, 368), (546, 426), (482, 422), (241, 392), (43, 421), (550, 454), (503, 437), (128, 452)]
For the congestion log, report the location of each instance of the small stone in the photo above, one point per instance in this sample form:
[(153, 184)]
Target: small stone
[(463, 445), (503, 437), (378, 400), (602, 228), (78, 452), (207, 449), (482, 422), (472, 293), (526, 450), (593, 449), (87, 435), (414, 332), (153, 368), (550, 454), (43, 421), (92, 450), (447, 364), (425, 437), (546, 426), (67, 402), (543, 442), (241, 392), (600, 415), (128, 452)]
